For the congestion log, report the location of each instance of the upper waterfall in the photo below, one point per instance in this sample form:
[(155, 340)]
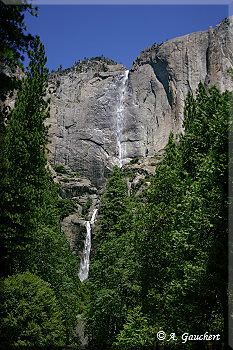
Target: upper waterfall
[(120, 117), (99, 118)]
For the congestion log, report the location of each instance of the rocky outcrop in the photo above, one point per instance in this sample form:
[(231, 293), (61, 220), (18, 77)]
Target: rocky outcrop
[(78, 199), (88, 100)]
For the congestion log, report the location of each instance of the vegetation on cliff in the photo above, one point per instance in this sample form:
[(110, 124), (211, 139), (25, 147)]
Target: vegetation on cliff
[(97, 64)]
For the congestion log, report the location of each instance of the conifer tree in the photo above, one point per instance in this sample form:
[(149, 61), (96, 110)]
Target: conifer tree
[(114, 204), (14, 41), (25, 144)]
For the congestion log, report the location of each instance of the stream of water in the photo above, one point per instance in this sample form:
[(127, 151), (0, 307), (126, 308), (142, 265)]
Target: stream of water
[(120, 118), (85, 261)]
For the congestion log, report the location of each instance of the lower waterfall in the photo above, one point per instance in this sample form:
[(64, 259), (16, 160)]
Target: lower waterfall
[(84, 264)]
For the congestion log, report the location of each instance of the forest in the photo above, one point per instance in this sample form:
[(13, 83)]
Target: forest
[(161, 262)]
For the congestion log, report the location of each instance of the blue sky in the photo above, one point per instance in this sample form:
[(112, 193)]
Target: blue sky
[(120, 32)]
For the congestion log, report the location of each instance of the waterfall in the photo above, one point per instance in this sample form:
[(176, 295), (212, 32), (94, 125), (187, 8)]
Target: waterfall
[(93, 216), (120, 116), (84, 264)]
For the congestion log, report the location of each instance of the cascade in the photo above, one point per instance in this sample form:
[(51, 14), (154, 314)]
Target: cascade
[(93, 216), (120, 116), (84, 264)]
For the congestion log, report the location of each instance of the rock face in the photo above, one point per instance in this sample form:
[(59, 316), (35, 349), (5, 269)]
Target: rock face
[(83, 118), (78, 190), (102, 116)]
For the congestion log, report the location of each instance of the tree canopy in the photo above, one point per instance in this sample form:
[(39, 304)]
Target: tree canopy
[(30, 313)]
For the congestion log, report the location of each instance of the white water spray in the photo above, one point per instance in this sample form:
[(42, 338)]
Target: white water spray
[(120, 116), (93, 216), (84, 264)]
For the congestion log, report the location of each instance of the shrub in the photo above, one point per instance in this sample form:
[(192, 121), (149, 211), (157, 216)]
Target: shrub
[(86, 206), (29, 313), (60, 169), (134, 160), (66, 207)]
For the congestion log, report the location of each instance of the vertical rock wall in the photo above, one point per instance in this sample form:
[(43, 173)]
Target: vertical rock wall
[(86, 98), (160, 79)]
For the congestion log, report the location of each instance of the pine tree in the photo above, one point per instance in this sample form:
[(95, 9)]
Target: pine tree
[(13, 44), (114, 204), (25, 144)]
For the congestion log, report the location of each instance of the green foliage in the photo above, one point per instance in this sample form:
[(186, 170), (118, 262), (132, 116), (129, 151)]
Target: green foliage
[(182, 238), (30, 314), (30, 231), (13, 43), (134, 160), (25, 144), (137, 333), (112, 275), (55, 263), (86, 206), (103, 59), (60, 169), (66, 207), (114, 204), (230, 72), (160, 264), (99, 63), (129, 174)]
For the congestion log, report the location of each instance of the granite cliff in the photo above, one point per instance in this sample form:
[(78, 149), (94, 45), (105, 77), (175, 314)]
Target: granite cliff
[(103, 115)]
